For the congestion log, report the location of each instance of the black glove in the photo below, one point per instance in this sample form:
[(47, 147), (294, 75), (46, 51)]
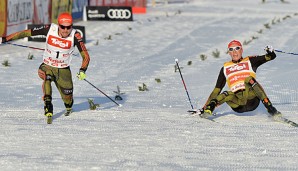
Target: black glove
[(270, 51)]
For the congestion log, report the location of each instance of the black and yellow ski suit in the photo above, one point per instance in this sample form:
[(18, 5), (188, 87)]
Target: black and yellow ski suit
[(61, 76), (248, 98)]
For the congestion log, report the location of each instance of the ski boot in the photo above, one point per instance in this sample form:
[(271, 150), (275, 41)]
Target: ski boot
[(271, 109), (48, 109), (68, 111)]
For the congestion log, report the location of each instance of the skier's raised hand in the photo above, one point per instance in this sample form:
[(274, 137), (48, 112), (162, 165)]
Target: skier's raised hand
[(269, 49)]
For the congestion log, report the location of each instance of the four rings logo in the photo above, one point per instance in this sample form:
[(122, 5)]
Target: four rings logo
[(119, 13), (109, 13)]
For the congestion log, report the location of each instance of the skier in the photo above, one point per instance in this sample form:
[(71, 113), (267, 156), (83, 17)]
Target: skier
[(60, 42), (240, 74)]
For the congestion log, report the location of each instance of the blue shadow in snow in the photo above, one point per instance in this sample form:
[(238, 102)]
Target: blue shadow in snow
[(104, 103), (258, 110)]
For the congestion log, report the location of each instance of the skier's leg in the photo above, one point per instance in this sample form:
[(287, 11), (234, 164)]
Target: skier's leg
[(65, 86), (46, 75), (227, 96), (238, 101), (251, 83), (232, 99)]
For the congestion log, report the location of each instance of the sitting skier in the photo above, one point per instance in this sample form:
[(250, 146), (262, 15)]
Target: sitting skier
[(240, 74)]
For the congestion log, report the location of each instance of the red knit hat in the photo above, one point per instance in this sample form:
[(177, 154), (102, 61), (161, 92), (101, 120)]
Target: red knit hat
[(65, 19), (234, 42)]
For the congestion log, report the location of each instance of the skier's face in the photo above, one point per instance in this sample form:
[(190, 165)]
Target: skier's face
[(64, 30), (235, 51)]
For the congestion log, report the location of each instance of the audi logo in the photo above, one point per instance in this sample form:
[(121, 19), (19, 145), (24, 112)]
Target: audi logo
[(119, 13)]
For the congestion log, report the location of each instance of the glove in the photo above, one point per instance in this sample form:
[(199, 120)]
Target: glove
[(206, 113), (269, 49), (81, 75)]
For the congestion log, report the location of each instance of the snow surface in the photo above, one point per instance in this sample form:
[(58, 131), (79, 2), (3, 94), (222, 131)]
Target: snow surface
[(152, 130)]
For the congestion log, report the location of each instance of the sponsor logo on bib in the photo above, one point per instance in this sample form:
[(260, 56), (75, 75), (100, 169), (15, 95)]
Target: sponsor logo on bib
[(58, 42)]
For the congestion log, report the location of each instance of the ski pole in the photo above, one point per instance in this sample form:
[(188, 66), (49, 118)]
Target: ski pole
[(24, 46), (176, 60), (280, 51), (103, 93), (31, 47)]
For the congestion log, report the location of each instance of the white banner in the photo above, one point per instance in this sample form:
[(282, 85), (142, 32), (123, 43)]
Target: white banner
[(41, 12), (20, 13)]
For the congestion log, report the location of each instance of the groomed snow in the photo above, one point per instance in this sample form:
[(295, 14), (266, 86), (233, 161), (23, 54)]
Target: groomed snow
[(152, 130)]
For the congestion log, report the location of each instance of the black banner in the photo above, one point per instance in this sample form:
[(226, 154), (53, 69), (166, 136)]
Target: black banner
[(113, 13), (41, 38)]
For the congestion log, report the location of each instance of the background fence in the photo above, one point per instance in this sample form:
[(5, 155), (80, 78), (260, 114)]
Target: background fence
[(16, 15)]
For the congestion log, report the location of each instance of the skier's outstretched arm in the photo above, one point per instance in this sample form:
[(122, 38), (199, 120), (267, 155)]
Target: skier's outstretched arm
[(43, 30), (221, 82)]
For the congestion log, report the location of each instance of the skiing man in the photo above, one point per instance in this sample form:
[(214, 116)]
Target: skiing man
[(240, 74), (60, 42)]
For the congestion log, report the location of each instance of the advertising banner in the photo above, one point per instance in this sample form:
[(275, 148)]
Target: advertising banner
[(138, 6), (114, 2), (3, 18), (77, 8), (41, 13), (59, 6), (109, 13), (41, 38), (20, 13)]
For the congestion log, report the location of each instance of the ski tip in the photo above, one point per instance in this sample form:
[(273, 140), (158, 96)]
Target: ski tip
[(120, 105), (176, 60)]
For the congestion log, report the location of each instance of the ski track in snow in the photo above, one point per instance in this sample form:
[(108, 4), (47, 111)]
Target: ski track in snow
[(152, 131)]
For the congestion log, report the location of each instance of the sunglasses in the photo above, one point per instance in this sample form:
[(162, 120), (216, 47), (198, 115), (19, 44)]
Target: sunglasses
[(231, 49), (65, 27)]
